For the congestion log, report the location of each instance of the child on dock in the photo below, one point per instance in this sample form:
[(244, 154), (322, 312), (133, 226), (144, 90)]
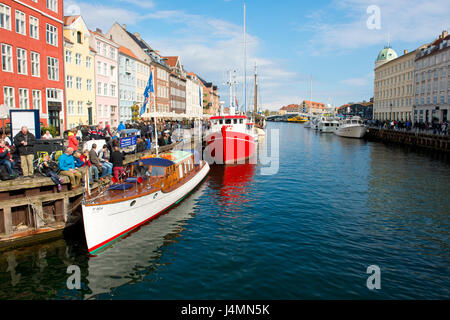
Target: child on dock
[(117, 158), (48, 168)]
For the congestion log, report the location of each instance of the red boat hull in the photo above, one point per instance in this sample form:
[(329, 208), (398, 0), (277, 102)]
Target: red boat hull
[(229, 147)]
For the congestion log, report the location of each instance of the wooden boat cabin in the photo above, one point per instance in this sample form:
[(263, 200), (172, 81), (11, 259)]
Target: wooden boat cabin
[(165, 173)]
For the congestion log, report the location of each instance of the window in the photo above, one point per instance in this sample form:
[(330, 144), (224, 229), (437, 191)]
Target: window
[(52, 5), (21, 61), (5, 17), (34, 28), (112, 53), (99, 88), (88, 62), (70, 107), (89, 85), (104, 50), (79, 83), (52, 35), (79, 37), (7, 58), (35, 64), (104, 69), (80, 107), (20, 22), (37, 100), (69, 82), (8, 95), (68, 55), (23, 98), (99, 67), (53, 68), (78, 59), (113, 90), (113, 71), (105, 89)]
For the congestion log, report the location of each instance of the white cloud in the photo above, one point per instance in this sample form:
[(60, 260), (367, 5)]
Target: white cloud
[(404, 20)]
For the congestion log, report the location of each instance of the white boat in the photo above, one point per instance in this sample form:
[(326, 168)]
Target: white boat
[(154, 185), (327, 124), (351, 128)]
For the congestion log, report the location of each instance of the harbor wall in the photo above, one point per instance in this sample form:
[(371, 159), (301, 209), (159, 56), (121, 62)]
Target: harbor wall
[(410, 138)]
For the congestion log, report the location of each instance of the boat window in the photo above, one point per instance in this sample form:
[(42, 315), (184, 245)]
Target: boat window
[(157, 171), (235, 121), (241, 121), (220, 121), (181, 171), (228, 121), (354, 122)]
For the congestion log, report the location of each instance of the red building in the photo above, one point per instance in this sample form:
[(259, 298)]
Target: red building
[(32, 65)]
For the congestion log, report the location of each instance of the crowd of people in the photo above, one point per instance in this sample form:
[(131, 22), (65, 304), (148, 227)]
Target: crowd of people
[(101, 162), (442, 128)]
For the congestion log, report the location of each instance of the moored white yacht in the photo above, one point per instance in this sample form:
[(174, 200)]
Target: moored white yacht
[(351, 128), (327, 124)]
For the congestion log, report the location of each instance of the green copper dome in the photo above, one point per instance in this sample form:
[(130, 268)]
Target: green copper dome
[(387, 54)]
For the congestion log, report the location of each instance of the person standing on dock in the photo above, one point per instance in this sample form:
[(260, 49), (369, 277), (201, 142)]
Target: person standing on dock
[(24, 142)]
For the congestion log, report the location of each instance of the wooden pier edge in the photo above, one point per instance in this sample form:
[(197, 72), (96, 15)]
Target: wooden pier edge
[(26, 201), (434, 142)]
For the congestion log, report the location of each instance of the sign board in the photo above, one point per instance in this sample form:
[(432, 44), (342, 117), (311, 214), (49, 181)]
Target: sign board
[(28, 118), (4, 111), (88, 145), (128, 142)]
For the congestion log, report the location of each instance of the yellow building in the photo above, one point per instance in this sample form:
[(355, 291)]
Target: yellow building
[(79, 71), (393, 86)]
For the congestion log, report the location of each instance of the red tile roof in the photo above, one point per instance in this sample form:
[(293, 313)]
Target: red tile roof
[(171, 61), (68, 20), (127, 51)]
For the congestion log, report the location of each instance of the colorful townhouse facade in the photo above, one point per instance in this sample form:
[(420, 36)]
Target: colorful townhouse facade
[(79, 58), (32, 71), (106, 78), (177, 85), (127, 84), (432, 81), (194, 94)]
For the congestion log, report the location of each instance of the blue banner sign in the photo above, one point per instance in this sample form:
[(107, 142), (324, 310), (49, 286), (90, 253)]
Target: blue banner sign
[(128, 142)]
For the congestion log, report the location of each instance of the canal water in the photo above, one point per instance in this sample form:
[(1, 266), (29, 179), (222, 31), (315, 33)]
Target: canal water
[(335, 207)]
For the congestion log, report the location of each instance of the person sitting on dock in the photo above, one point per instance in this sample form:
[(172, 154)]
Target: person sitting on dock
[(92, 170), (95, 160), (48, 169), (67, 167), (6, 158)]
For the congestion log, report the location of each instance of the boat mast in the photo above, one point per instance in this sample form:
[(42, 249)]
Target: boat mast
[(256, 91), (245, 67), (310, 96)]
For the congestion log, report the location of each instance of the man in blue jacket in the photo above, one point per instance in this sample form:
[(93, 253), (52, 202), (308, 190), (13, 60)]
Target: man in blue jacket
[(67, 167)]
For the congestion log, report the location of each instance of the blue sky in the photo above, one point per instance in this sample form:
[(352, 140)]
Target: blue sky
[(289, 40)]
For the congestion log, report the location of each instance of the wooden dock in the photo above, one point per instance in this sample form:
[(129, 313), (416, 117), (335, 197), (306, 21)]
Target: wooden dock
[(434, 142), (32, 210)]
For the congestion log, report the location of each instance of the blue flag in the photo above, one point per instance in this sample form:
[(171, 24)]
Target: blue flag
[(149, 89)]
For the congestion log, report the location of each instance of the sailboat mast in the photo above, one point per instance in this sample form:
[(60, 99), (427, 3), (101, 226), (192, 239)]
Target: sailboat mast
[(310, 95), (245, 65), (256, 90)]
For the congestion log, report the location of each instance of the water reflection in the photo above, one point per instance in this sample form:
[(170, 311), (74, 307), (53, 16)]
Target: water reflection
[(39, 272), (232, 184)]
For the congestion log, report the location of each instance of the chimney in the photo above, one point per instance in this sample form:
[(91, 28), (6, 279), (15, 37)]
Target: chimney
[(124, 26), (99, 31), (137, 35), (405, 51)]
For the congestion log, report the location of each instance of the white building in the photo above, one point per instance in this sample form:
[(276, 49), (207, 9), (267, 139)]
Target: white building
[(432, 81), (194, 92)]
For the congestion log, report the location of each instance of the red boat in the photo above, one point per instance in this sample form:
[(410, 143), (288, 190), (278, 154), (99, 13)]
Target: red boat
[(232, 139)]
